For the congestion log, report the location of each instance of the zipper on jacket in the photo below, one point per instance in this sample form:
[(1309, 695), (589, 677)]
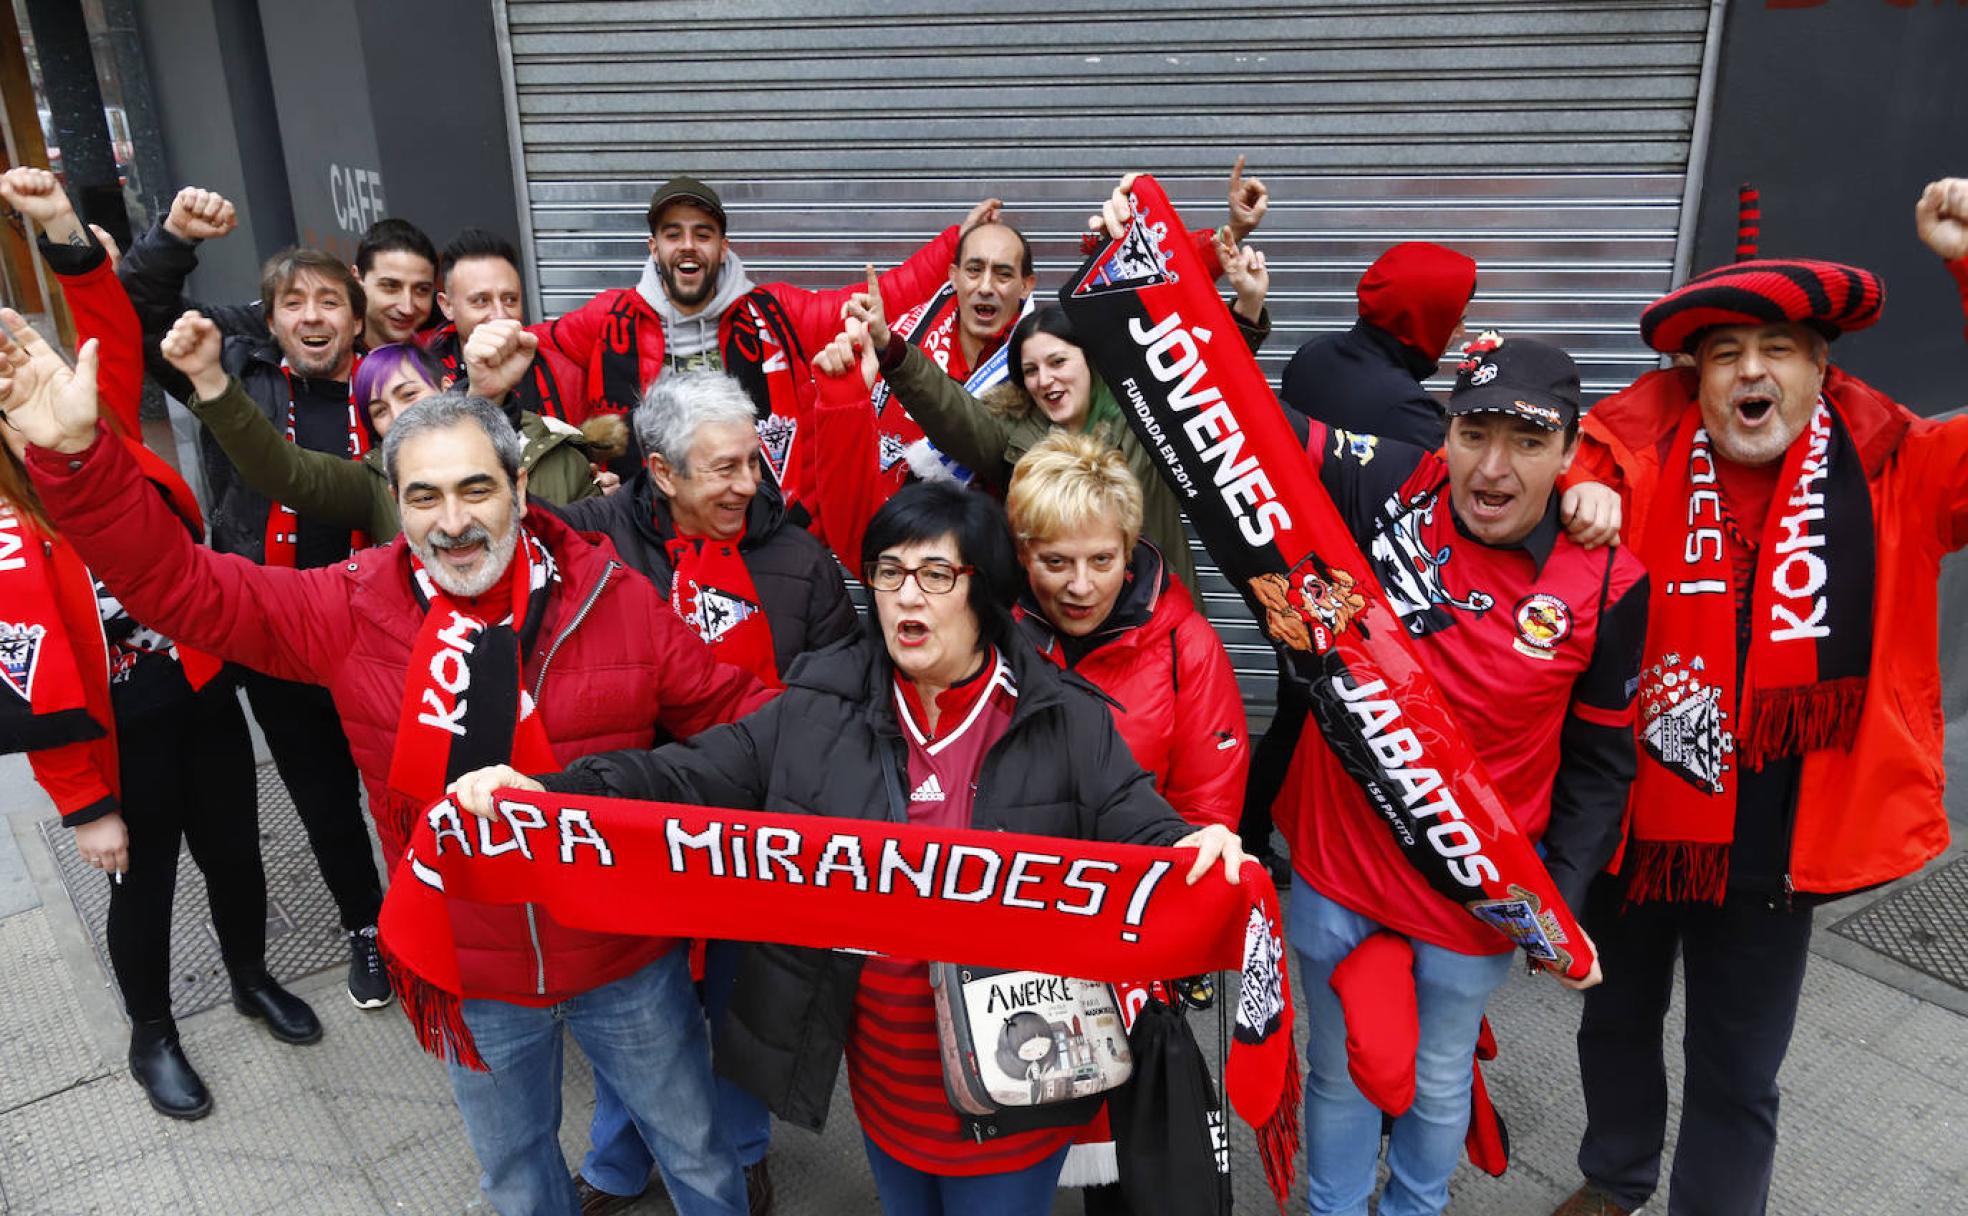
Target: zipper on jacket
[(539, 683), (581, 614), (539, 955)]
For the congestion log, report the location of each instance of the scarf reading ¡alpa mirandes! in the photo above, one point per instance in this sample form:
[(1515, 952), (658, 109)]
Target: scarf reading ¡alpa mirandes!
[(711, 590), (1802, 685), (464, 707), (283, 524), (758, 346), (1079, 908), (1189, 386)]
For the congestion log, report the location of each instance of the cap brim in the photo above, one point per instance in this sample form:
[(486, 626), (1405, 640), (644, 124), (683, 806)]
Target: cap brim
[(1539, 409)]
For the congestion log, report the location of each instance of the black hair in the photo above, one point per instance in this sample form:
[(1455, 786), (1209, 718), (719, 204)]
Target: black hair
[(928, 510), (1024, 246), (476, 243), (390, 235), (1045, 319), (1019, 1029)]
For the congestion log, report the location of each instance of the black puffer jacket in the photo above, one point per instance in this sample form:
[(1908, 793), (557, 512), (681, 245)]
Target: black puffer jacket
[(1060, 769), (1367, 381), (798, 583)]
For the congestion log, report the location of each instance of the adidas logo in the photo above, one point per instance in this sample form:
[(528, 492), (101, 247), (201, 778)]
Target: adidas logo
[(931, 790)]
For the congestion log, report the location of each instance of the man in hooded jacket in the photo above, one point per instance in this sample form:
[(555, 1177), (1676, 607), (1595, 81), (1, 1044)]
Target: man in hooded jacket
[(1367, 380)]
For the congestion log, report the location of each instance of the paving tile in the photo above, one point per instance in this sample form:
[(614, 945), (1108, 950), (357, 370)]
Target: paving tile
[(17, 893), (44, 1047)]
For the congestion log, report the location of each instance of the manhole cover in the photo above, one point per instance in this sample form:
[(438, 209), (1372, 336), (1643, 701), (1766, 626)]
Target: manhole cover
[(1924, 925), (304, 931)]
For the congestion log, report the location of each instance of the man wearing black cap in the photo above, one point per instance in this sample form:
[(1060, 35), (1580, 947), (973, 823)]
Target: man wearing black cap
[(1505, 610), (696, 307), (1793, 519)]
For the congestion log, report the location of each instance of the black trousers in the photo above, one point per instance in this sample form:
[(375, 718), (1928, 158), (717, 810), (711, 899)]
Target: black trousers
[(187, 776), (1744, 964), (1270, 761), (304, 733)]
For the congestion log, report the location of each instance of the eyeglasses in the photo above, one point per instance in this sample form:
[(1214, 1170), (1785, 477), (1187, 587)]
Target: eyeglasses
[(935, 578)]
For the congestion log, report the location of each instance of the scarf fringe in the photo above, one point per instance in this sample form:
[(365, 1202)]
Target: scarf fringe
[(437, 1017), (1676, 871), (1281, 1138), (1808, 717)]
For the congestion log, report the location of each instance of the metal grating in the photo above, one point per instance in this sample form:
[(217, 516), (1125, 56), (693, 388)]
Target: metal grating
[(304, 931), (1923, 924)]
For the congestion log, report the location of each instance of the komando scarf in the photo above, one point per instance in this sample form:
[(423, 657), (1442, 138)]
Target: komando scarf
[(1803, 683), (1080, 908), (464, 707)]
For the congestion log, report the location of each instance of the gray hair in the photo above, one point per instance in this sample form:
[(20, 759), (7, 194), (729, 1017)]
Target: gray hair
[(674, 407), (442, 411)]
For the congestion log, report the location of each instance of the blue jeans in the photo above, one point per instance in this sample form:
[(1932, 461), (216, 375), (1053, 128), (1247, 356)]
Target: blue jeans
[(1342, 1128), (618, 1162), (907, 1191), (645, 1034)]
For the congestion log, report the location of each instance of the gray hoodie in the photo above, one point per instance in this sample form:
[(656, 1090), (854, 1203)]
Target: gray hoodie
[(687, 337)]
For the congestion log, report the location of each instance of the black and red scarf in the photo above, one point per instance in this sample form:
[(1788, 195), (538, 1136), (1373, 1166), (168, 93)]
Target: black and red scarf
[(44, 701), (759, 347), (465, 706), (1803, 684), (1167, 345), (711, 590), (283, 525)]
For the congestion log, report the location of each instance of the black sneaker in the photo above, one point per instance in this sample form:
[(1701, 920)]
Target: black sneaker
[(368, 983)]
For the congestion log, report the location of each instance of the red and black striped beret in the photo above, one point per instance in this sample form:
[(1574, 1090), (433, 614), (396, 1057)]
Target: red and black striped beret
[(1829, 297)]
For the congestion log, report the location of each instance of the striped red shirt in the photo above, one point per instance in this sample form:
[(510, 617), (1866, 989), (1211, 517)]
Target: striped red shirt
[(894, 1069)]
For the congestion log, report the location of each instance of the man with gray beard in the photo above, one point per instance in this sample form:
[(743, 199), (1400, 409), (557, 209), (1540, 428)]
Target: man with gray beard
[(483, 634)]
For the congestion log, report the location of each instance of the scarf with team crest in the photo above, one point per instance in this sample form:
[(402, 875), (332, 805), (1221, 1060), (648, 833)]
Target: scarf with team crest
[(711, 589)]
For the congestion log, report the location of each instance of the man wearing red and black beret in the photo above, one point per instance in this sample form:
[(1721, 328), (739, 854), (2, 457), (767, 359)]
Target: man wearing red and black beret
[(1792, 519)]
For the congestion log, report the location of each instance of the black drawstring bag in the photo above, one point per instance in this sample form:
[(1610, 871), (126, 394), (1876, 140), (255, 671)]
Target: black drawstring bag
[(1169, 1137)]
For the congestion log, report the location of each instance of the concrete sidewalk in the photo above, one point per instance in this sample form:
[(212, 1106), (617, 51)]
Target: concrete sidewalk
[(1875, 1117)]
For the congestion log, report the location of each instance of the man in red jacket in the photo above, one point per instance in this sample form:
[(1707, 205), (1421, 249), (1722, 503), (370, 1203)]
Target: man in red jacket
[(1793, 519), (479, 635), (696, 307)]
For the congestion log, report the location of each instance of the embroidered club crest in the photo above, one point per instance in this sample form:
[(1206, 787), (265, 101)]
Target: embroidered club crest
[(776, 441), (892, 450), (20, 654), (1351, 443), (1543, 621), (1483, 374), (714, 613), (1522, 918), (1132, 262), (1261, 995), (1683, 724)]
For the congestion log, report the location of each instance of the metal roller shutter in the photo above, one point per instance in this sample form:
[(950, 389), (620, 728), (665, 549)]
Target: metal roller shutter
[(1549, 139)]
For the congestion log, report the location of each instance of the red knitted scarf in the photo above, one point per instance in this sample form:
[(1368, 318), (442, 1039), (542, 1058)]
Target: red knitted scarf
[(711, 589), (283, 524), (1803, 684)]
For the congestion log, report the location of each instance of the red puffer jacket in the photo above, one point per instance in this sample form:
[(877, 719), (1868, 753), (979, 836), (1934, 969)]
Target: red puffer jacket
[(611, 664), (1174, 694)]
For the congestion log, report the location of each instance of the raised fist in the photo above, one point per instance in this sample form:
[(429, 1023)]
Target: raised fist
[(497, 356), (1941, 217), (36, 194), (200, 215), (192, 345)]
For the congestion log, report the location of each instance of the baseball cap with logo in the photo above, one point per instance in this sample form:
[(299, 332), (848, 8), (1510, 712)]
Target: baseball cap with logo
[(685, 189), (1522, 377)]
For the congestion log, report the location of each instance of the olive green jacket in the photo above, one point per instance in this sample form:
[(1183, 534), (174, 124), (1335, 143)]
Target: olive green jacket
[(989, 434), (356, 493)]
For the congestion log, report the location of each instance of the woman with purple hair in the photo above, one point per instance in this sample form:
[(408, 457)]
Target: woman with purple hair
[(387, 381)]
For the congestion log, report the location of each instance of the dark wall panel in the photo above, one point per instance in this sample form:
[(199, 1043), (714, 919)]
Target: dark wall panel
[(1840, 112)]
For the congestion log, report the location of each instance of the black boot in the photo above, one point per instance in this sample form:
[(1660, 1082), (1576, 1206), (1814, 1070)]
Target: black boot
[(159, 1065), (287, 1016)]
